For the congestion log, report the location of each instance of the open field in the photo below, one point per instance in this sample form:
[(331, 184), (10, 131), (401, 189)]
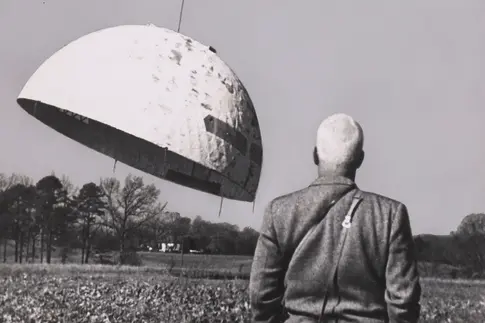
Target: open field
[(149, 258), (96, 293), (213, 266)]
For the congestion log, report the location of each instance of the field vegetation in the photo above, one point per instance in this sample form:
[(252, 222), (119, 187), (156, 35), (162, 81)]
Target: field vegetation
[(105, 293)]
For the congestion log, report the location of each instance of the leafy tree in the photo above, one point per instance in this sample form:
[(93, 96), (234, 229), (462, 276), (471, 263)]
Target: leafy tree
[(176, 226), (6, 216), (90, 208), (18, 205), (201, 231), (154, 231), (472, 224), (51, 195), (24, 203), (246, 241), (224, 241), (6, 221)]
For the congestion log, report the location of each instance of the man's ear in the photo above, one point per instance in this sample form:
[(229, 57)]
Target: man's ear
[(360, 160), (315, 156)]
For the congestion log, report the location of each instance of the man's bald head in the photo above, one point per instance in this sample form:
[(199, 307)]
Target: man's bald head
[(339, 145)]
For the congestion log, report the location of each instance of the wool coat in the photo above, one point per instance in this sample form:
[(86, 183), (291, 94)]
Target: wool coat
[(376, 278)]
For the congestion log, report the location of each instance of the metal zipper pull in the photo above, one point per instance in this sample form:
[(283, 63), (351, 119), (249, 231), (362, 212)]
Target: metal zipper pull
[(348, 218)]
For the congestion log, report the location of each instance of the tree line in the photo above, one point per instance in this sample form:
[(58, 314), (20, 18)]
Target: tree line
[(53, 214), (458, 254)]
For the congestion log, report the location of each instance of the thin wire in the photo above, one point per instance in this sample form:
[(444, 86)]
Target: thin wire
[(181, 13), (222, 197), (220, 205)]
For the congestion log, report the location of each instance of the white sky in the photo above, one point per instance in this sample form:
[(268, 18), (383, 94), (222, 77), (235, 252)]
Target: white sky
[(412, 73)]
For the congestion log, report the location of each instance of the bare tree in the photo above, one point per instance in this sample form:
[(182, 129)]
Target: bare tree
[(3, 182), (8, 181), (71, 190), (129, 208)]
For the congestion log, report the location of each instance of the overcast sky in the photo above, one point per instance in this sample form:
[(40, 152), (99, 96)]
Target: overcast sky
[(412, 73)]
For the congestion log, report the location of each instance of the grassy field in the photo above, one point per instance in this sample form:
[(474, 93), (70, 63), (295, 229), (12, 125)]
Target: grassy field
[(197, 261), (97, 293), (193, 265), (168, 288), (452, 301)]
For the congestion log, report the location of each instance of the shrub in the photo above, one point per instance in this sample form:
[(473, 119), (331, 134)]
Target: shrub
[(130, 258)]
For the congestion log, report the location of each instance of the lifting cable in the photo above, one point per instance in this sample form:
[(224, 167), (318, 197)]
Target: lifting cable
[(180, 15)]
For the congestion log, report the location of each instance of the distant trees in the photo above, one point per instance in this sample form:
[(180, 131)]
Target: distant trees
[(53, 209), (19, 206), (17, 200), (202, 232), (53, 216), (472, 224), (223, 238), (90, 209), (463, 248), (247, 240), (129, 208), (175, 226), (199, 234), (470, 236)]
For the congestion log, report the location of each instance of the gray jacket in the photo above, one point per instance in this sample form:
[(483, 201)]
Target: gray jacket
[(377, 278)]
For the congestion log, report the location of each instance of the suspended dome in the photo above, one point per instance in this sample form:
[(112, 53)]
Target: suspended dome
[(156, 100)]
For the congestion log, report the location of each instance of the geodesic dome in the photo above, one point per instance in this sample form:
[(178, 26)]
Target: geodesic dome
[(156, 100)]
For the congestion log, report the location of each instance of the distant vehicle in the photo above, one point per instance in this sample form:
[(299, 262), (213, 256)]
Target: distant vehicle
[(146, 248), (170, 247)]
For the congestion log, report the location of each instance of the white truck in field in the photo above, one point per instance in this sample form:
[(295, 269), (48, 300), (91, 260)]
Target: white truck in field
[(170, 247)]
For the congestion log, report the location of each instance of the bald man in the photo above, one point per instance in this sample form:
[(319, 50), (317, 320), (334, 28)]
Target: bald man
[(331, 252)]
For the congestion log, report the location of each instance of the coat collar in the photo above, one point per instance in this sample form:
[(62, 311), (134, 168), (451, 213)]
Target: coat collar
[(333, 180)]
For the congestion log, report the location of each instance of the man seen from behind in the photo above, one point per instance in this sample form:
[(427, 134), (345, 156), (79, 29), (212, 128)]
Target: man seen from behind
[(331, 252)]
